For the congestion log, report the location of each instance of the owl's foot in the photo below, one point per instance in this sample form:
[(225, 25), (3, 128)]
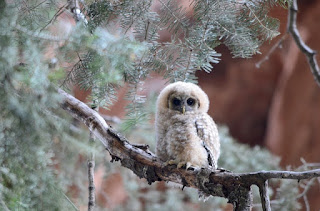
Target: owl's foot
[(181, 164), (171, 162)]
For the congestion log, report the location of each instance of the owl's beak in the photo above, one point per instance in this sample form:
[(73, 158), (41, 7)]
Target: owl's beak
[(183, 109)]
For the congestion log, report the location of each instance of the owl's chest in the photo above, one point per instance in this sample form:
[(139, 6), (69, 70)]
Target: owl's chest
[(182, 130), (185, 143)]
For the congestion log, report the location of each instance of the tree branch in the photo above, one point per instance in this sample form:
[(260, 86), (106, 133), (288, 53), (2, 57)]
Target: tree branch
[(91, 165), (76, 11), (236, 187), (310, 54), (265, 201), (272, 50)]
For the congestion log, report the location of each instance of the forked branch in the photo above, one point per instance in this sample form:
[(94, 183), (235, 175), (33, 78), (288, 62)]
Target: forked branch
[(236, 187), (310, 54)]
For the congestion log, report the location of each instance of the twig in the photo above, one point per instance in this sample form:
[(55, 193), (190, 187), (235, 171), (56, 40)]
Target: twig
[(55, 16), (188, 66), (91, 165), (265, 201), (91, 187), (292, 29), (260, 21), (306, 188), (177, 18), (272, 49), (76, 11), (39, 35), (72, 204), (305, 199), (304, 193), (233, 186), (34, 7)]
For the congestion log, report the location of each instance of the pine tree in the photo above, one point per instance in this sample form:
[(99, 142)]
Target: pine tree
[(113, 43)]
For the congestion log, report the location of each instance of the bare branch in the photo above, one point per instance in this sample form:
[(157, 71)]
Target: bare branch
[(236, 187), (76, 11), (265, 201), (282, 174), (38, 35), (272, 49), (306, 188), (306, 202), (55, 16), (91, 165), (310, 54)]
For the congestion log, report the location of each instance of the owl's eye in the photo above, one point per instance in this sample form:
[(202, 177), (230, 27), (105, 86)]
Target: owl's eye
[(176, 101), (190, 102)]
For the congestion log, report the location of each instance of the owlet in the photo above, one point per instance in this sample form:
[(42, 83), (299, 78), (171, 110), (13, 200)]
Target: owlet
[(186, 135)]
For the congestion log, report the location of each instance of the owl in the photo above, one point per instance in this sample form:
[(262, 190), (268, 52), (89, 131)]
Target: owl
[(186, 135)]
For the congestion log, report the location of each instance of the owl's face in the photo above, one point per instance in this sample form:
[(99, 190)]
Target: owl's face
[(183, 103), (182, 97)]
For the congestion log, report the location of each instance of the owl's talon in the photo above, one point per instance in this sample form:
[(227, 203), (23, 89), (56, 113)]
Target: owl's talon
[(171, 162), (188, 165), (181, 164)]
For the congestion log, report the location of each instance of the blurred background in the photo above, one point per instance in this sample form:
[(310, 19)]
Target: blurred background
[(269, 100), (267, 109)]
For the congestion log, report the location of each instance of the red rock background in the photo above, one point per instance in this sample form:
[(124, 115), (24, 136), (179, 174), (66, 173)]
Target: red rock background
[(277, 105)]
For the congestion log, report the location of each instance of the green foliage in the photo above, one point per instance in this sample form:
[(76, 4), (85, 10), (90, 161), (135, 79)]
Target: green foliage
[(242, 158), (30, 121), (41, 151), (128, 50)]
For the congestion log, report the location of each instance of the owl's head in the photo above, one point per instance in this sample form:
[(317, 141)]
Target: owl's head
[(183, 97)]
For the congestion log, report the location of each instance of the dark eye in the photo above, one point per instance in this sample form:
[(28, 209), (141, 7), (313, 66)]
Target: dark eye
[(190, 102), (176, 101)]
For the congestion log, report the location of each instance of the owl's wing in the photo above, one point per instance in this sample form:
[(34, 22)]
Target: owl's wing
[(208, 134)]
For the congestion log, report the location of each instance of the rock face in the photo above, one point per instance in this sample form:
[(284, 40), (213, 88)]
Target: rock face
[(278, 104)]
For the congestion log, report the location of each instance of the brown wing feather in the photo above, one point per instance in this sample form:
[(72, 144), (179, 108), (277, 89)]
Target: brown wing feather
[(208, 133)]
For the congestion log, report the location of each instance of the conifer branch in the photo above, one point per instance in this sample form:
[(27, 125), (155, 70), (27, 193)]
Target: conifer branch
[(263, 25), (236, 187), (38, 35), (55, 16), (310, 53)]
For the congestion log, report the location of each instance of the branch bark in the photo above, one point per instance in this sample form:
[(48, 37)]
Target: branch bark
[(292, 29), (91, 187), (91, 165), (236, 187)]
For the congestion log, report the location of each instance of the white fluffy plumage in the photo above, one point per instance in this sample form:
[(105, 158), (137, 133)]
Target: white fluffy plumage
[(186, 135)]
